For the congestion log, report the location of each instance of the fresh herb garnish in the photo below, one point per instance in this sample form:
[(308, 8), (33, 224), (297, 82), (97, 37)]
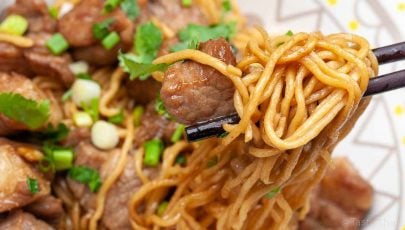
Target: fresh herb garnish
[(162, 208), (153, 151), (181, 159), (57, 44), (132, 65), (92, 109), (137, 115), (160, 108), (101, 29), (186, 3), (226, 5), (117, 118), (273, 193), (193, 34), (53, 11), (32, 185), (86, 175), (178, 133), (55, 134), (56, 158), (131, 8), (67, 95), (33, 114), (110, 5), (192, 44), (111, 40), (289, 33), (84, 76)]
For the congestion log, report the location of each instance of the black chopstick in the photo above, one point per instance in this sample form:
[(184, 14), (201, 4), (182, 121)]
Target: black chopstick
[(383, 83)]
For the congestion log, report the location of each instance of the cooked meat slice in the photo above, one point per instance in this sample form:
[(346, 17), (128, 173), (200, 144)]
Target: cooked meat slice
[(76, 135), (154, 126), (47, 207), (341, 201), (36, 12), (14, 171), (12, 59), (178, 15), (97, 55), (20, 220), (143, 92), (15, 83), (193, 92)]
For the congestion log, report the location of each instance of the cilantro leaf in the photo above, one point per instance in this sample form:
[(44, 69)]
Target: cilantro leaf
[(131, 64), (193, 34), (117, 118), (32, 113), (148, 40), (226, 5), (161, 109), (32, 185), (86, 175), (101, 29), (55, 134), (131, 8)]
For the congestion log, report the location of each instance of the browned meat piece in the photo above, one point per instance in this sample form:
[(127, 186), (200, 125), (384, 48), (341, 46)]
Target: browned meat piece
[(154, 126), (47, 207), (341, 200), (19, 84), (143, 92), (194, 92), (23, 221), (14, 171), (76, 135), (76, 26), (37, 14), (12, 59), (179, 16)]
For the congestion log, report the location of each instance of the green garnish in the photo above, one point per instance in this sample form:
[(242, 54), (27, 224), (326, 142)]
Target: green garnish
[(181, 159), (67, 95), (273, 193), (117, 118), (212, 162), (131, 8), (111, 40), (193, 34), (56, 158), (86, 175), (55, 134), (57, 44), (162, 208), (160, 108), (32, 113), (178, 133), (289, 33), (153, 150), (110, 5), (223, 135), (92, 109), (53, 11), (84, 76), (134, 66), (101, 29), (186, 3), (193, 44), (137, 115), (226, 5), (14, 24), (32, 185)]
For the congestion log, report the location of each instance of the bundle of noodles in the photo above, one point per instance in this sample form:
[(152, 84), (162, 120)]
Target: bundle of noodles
[(297, 96)]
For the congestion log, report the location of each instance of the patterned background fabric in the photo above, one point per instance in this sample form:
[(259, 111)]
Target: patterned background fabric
[(377, 144)]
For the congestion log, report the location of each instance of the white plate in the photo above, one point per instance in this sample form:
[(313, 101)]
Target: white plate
[(377, 143)]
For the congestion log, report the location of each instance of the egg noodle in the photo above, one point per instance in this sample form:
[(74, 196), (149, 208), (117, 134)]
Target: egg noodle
[(297, 97)]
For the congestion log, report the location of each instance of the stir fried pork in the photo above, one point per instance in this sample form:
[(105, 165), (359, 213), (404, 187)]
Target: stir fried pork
[(23, 221), (14, 171), (341, 201), (193, 92)]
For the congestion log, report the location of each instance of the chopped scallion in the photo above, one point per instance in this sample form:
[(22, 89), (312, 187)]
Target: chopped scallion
[(289, 33), (53, 11), (153, 150), (131, 8), (111, 40), (67, 95), (273, 193), (162, 208), (101, 29), (137, 115), (117, 118), (110, 5), (178, 133), (181, 159), (84, 76), (63, 159), (92, 109), (14, 24), (86, 175), (186, 3), (32, 185), (57, 44)]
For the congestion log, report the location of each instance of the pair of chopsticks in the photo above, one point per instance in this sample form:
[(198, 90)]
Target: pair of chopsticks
[(380, 84)]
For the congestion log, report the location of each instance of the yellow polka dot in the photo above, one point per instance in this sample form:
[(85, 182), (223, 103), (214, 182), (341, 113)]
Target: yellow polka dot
[(401, 8), (332, 2), (399, 110), (403, 142), (353, 25)]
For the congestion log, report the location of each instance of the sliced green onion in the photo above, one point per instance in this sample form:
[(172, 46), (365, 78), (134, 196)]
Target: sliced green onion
[(110, 5), (289, 33), (14, 24), (84, 76), (110, 40), (153, 150), (212, 162), (86, 175), (53, 11), (101, 29), (117, 118), (63, 159), (273, 193), (79, 67), (181, 159), (32, 185), (226, 5), (137, 115), (178, 133), (186, 3), (82, 119), (162, 208), (57, 44)]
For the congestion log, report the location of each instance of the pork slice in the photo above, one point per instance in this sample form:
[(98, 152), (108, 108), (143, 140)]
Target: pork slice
[(12, 59), (14, 191), (20, 220), (153, 126), (341, 201), (97, 55), (175, 15), (76, 135), (47, 207), (194, 92), (143, 92), (36, 12)]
